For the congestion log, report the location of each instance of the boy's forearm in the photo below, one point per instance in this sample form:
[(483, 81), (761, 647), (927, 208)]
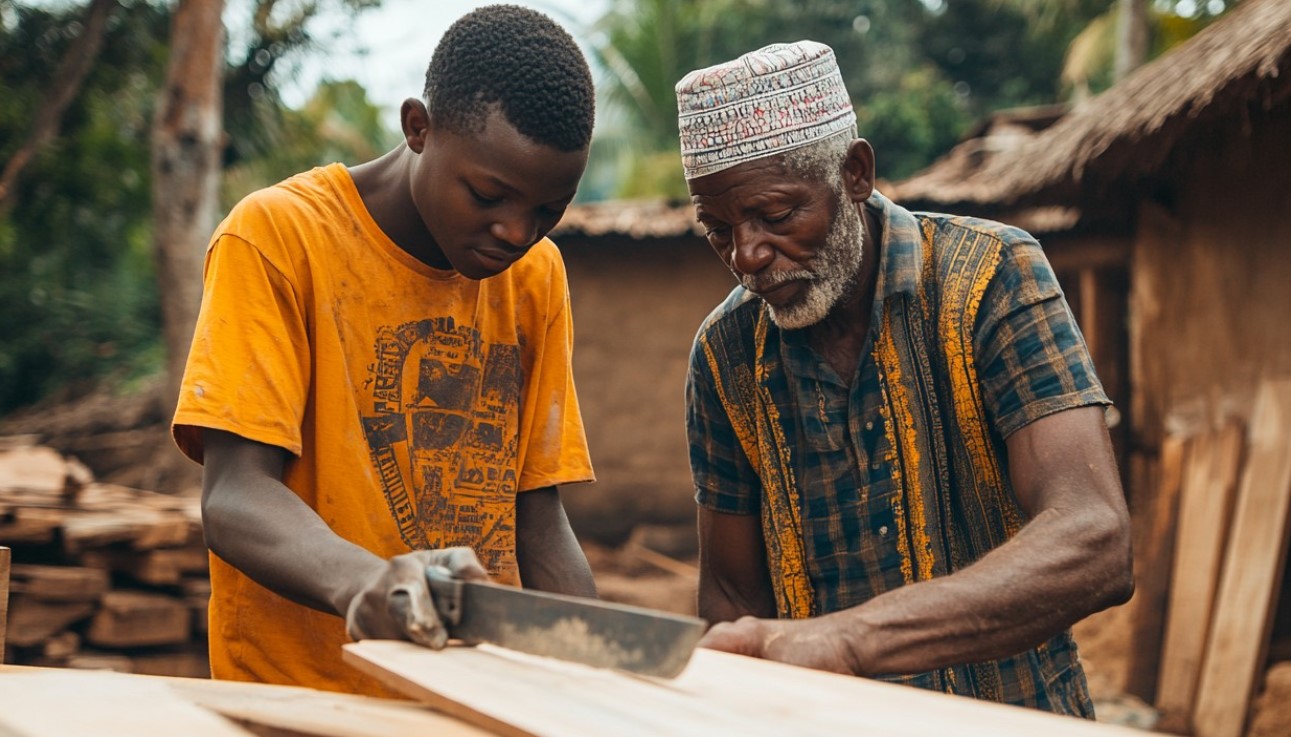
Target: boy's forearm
[(273, 537)]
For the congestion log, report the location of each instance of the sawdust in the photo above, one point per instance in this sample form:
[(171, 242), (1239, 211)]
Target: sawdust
[(572, 636)]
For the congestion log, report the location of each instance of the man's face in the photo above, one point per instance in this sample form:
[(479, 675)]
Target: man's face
[(794, 242), (487, 197)]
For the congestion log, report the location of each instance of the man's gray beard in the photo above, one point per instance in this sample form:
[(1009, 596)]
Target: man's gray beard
[(830, 276)]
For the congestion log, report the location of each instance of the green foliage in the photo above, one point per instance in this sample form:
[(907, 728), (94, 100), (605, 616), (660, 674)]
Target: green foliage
[(338, 123), (920, 72), (76, 280), (907, 123), (77, 286)]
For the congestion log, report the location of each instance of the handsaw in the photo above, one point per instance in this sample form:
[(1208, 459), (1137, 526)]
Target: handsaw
[(588, 631)]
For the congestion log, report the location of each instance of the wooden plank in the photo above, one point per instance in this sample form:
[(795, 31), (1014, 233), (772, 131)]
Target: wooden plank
[(60, 583), (32, 621), (1153, 529), (137, 618), (294, 710), (5, 558), (61, 703), (37, 469), (310, 712), (1205, 509), (1253, 561), (156, 567), (515, 695)]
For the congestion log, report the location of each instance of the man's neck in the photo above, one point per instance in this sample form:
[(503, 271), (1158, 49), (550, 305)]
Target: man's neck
[(840, 337)]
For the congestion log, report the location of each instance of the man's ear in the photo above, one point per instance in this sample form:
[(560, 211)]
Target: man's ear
[(858, 170), (414, 118)]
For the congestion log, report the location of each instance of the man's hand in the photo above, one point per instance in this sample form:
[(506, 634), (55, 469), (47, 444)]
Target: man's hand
[(808, 643), (396, 603)]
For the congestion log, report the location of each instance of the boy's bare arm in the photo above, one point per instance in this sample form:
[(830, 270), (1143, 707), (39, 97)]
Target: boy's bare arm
[(549, 556), (256, 524)]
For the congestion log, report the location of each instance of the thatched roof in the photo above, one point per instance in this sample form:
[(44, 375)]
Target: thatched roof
[(1240, 61), (637, 219)]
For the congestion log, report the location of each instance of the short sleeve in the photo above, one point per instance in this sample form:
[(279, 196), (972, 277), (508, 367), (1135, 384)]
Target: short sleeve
[(556, 443), (1031, 356), (248, 368), (724, 479)]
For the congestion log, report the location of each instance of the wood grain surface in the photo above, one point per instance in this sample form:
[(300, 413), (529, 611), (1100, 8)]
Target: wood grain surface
[(516, 695)]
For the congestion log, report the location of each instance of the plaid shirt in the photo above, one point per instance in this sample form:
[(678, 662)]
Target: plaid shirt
[(862, 484)]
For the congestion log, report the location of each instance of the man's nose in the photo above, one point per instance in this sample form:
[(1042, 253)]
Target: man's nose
[(750, 251)]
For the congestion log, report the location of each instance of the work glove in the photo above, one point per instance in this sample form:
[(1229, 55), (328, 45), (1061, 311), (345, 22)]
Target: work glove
[(398, 604)]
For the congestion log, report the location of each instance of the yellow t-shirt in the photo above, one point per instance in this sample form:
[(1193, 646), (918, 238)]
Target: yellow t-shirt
[(416, 401)]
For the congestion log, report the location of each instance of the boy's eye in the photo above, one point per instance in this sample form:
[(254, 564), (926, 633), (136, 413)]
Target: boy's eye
[(483, 199)]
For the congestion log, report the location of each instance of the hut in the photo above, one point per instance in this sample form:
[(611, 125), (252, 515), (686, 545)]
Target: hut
[(642, 278), (1160, 203)]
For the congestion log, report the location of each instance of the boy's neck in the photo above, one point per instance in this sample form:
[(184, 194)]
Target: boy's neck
[(382, 184)]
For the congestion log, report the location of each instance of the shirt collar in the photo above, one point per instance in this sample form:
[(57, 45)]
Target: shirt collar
[(901, 254)]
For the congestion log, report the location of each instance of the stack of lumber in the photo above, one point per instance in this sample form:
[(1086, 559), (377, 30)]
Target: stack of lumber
[(102, 576), (1231, 486)]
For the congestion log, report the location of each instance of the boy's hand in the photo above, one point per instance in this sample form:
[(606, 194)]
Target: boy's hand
[(397, 604)]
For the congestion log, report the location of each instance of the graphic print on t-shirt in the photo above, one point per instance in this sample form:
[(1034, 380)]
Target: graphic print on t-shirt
[(442, 434)]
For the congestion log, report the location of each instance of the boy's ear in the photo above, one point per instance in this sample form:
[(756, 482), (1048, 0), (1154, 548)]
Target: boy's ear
[(414, 118), (858, 170)]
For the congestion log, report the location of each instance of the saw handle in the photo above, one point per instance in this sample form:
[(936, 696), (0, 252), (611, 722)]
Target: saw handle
[(447, 593)]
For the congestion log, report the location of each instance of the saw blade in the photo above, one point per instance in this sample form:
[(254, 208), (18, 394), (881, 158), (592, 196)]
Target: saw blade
[(582, 630)]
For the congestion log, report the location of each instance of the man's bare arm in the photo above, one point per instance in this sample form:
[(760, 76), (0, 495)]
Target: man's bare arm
[(733, 579), (1072, 558)]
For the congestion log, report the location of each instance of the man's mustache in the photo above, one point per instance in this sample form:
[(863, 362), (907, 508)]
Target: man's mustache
[(763, 282)]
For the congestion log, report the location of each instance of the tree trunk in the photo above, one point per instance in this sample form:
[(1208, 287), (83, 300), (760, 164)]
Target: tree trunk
[(1131, 36), (67, 81), (186, 146)]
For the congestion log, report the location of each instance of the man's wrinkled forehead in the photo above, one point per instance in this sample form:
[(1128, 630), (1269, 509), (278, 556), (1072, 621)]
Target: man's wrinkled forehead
[(776, 99)]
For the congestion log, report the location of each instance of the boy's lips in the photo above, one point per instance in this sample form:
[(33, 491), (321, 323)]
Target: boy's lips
[(497, 259)]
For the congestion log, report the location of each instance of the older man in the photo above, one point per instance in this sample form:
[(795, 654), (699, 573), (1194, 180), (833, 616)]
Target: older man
[(896, 432)]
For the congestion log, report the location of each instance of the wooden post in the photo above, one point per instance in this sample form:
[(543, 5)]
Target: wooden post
[(1154, 531), (1205, 509), (4, 598)]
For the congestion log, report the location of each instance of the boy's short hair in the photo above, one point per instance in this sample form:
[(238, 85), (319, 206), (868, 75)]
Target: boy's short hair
[(520, 60)]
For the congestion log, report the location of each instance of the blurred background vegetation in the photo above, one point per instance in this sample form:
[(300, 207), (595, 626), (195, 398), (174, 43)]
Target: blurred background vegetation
[(80, 304)]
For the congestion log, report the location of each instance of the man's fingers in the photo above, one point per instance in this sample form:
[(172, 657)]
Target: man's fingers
[(732, 637)]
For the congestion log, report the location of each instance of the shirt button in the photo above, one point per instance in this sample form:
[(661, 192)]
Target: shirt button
[(869, 425), (883, 530), (874, 466)]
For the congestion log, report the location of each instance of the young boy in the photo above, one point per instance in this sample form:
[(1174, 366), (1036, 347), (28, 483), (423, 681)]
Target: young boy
[(380, 378)]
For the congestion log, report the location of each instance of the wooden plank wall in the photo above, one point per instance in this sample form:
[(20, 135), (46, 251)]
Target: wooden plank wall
[(1252, 571)]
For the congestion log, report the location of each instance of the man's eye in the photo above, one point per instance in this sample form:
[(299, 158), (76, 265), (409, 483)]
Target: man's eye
[(778, 217), (716, 232)]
